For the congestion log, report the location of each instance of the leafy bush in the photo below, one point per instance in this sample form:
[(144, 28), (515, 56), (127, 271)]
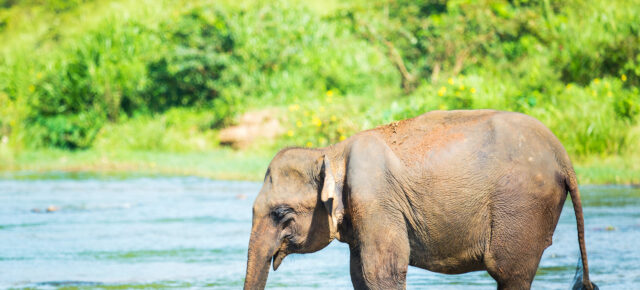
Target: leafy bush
[(321, 122), (437, 39), (85, 83), (190, 71), (70, 131), (53, 5), (6, 105), (177, 130), (287, 53)]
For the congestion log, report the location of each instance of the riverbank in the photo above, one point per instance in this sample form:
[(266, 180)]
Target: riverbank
[(228, 164), (223, 164)]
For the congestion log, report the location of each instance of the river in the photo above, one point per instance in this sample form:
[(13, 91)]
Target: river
[(186, 232)]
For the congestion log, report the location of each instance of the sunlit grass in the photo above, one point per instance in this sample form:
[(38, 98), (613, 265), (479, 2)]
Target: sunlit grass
[(223, 164)]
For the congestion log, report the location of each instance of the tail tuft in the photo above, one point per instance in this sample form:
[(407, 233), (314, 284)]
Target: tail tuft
[(579, 286), (577, 279)]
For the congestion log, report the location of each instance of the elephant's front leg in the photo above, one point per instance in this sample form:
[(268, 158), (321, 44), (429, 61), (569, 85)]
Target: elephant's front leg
[(355, 267), (380, 259), (380, 248)]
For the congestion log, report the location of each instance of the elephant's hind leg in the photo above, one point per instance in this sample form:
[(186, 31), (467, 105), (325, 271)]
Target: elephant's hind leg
[(513, 261), (522, 228)]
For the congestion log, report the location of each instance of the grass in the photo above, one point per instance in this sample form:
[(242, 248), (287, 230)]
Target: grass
[(609, 170), (222, 164)]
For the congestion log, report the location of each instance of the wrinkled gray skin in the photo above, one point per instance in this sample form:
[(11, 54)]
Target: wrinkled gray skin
[(450, 192)]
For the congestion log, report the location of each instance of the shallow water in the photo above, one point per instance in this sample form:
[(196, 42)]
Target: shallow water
[(158, 232)]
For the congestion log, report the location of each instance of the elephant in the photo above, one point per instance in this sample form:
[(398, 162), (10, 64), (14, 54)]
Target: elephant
[(447, 191)]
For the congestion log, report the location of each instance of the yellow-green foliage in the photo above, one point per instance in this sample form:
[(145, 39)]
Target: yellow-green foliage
[(177, 130), (164, 75)]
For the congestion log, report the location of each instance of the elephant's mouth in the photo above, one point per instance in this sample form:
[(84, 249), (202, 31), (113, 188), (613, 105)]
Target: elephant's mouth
[(279, 256)]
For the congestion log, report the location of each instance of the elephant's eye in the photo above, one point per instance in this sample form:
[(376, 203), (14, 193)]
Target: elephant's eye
[(279, 214)]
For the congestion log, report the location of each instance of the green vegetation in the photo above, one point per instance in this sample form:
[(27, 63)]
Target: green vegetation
[(220, 164), (153, 82)]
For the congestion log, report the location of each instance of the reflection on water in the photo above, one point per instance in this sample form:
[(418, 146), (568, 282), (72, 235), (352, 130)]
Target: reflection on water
[(152, 232)]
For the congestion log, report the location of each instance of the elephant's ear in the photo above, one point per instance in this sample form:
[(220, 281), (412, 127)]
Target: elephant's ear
[(331, 197)]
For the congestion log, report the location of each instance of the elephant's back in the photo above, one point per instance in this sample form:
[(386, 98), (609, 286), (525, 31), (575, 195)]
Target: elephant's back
[(481, 135), (417, 140)]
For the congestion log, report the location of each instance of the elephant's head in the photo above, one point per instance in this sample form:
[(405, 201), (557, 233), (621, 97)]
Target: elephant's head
[(296, 211)]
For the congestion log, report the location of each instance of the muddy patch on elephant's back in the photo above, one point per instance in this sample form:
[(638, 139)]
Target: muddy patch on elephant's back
[(414, 139), (439, 137), (412, 147)]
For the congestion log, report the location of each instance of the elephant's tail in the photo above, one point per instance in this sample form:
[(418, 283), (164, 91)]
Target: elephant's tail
[(572, 186)]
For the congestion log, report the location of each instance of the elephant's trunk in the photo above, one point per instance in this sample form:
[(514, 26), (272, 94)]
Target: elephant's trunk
[(261, 249)]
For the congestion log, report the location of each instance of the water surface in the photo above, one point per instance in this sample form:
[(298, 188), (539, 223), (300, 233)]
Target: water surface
[(159, 232)]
